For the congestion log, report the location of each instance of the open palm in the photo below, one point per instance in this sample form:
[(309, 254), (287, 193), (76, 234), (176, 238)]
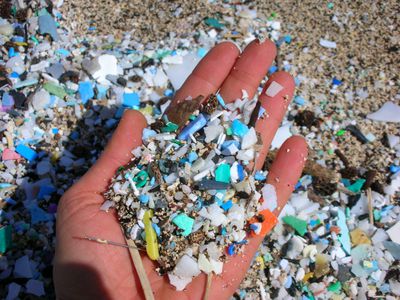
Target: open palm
[(86, 270)]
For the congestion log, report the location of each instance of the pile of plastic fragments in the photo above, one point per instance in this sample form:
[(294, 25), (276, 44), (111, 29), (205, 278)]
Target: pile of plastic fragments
[(62, 95), (190, 194)]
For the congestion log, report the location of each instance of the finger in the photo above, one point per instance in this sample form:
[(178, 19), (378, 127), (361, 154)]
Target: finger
[(275, 109), (210, 73), (248, 70), (126, 137), (284, 174)]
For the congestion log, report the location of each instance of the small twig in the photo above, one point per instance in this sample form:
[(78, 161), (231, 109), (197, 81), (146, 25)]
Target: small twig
[(137, 262), (208, 286), (370, 206), (107, 242)]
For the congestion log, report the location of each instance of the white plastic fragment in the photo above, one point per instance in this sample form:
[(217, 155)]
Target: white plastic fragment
[(204, 264), (186, 267), (107, 205), (108, 66), (179, 282), (177, 73), (389, 112), (249, 139), (40, 99), (393, 140), (394, 233), (270, 198), (273, 89), (282, 134), (327, 44)]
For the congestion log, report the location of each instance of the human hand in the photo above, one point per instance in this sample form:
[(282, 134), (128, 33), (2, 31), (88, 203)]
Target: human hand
[(84, 270)]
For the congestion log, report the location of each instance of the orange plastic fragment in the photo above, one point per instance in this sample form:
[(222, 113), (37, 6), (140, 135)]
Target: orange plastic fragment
[(270, 220)]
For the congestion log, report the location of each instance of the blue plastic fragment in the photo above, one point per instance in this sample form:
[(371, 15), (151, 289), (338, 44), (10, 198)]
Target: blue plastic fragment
[(193, 127), (240, 170), (14, 75), (18, 39), (74, 135), (297, 81), (227, 205), (168, 92), (223, 231), (394, 168), (272, 69), (144, 199), (119, 112), (54, 130), (148, 133), (46, 190), (221, 100), (26, 152), (130, 100), (11, 52), (254, 227), (110, 123), (63, 52), (259, 176), (156, 228), (299, 100), (238, 128), (48, 25), (336, 81), (344, 237), (192, 156), (231, 249), (38, 215), (85, 91), (298, 184), (287, 38), (101, 91), (202, 52)]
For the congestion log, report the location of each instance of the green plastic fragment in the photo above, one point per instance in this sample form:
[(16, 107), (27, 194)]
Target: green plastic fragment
[(330, 5), (335, 287), (223, 173), (229, 131), (267, 257), (34, 39), (55, 89), (213, 23), (178, 142), (356, 186), (141, 178), (192, 117), (347, 212), (330, 151), (377, 215), (170, 127), (300, 226), (340, 132), (185, 223), (5, 238)]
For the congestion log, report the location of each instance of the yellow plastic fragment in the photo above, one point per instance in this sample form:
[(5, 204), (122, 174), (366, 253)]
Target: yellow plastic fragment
[(151, 236), (308, 276), (260, 261)]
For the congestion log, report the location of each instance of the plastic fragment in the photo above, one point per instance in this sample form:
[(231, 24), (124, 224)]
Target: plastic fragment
[(394, 233), (26, 152), (5, 238), (35, 287), (85, 91), (327, 44), (48, 25), (273, 89), (344, 237), (185, 223), (151, 236), (356, 186), (389, 112), (297, 224), (222, 173), (238, 128), (193, 127), (130, 100)]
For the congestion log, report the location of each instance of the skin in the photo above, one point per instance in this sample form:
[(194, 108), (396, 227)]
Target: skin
[(88, 270)]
